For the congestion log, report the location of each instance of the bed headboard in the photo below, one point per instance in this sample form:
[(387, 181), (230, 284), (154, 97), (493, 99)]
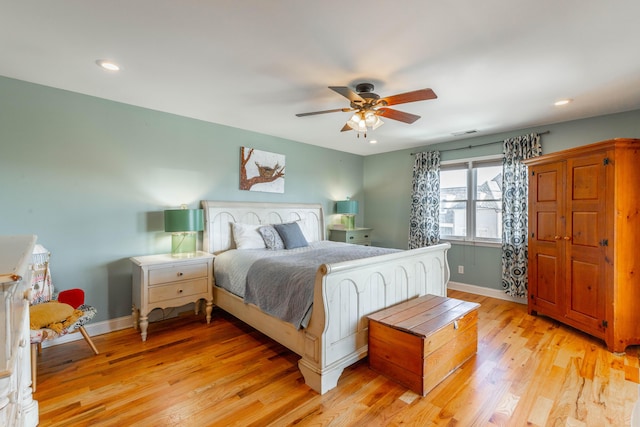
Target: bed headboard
[(218, 216)]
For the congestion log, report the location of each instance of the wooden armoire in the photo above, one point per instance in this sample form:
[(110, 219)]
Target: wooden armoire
[(584, 239)]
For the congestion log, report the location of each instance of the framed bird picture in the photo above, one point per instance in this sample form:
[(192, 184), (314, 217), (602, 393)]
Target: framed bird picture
[(261, 171)]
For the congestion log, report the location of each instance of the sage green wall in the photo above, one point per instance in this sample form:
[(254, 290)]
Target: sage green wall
[(387, 186), (91, 178)]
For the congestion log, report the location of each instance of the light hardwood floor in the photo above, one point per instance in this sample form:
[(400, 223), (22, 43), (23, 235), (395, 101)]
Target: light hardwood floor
[(529, 371)]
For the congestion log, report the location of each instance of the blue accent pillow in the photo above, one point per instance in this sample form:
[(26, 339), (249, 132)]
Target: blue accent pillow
[(291, 235), (271, 237)]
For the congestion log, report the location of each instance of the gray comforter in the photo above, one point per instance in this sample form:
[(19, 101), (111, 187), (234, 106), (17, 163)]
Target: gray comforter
[(283, 286)]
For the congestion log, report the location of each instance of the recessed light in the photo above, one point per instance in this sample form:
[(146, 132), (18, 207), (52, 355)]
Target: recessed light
[(373, 141), (108, 65), (562, 102)]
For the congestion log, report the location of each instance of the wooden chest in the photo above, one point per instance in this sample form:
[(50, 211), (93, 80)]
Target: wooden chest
[(418, 343)]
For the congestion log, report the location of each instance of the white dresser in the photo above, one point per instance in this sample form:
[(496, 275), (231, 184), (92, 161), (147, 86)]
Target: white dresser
[(17, 407)]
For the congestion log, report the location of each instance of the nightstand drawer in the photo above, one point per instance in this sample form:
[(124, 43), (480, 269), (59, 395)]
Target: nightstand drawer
[(181, 272), (177, 290), (356, 236)]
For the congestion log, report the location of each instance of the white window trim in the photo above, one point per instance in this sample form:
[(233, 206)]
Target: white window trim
[(473, 159), (472, 241)]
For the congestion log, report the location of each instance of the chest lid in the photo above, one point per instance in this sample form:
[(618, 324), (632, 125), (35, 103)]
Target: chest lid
[(424, 315)]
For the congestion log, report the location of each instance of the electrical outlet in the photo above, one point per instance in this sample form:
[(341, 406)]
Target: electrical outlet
[(461, 269)]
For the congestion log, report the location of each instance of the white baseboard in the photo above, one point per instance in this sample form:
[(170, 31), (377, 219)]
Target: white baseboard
[(487, 292), (112, 325), (93, 329)]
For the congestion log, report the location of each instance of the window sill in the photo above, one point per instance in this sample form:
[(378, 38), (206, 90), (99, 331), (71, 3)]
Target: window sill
[(480, 243)]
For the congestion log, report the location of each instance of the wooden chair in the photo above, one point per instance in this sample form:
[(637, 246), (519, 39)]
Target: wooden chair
[(42, 291)]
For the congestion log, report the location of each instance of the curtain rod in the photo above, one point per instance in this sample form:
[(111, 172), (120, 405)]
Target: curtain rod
[(481, 145)]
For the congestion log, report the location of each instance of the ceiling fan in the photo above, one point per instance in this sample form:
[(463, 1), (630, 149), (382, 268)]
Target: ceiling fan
[(368, 107)]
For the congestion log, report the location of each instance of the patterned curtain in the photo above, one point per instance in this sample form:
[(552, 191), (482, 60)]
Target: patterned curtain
[(515, 191), (424, 222)]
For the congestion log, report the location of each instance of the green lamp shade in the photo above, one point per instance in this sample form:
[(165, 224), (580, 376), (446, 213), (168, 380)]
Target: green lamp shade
[(180, 220), (347, 207), (183, 224)]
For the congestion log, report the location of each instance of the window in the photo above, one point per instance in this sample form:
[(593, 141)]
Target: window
[(471, 200)]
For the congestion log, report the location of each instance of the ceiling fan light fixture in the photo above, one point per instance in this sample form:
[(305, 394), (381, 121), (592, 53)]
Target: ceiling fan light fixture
[(376, 123), (356, 118), (370, 118), (355, 121), (361, 121)]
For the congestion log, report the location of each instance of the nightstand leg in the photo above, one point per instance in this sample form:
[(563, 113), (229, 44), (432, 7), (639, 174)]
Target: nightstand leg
[(209, 309), (196, 307), (144, 323)]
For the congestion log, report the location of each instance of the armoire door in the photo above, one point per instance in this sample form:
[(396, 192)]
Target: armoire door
[(546, 246), (585, 240)]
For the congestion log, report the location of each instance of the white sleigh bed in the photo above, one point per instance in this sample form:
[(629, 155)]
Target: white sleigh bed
[(345, 293)]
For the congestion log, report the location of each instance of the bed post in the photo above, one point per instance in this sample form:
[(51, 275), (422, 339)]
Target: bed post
[(324, 379)]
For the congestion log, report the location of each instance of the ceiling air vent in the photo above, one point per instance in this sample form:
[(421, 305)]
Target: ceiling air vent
[(464, 132)]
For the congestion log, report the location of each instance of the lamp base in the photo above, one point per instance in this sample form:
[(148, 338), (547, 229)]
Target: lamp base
[(349, 222), (183, 245)]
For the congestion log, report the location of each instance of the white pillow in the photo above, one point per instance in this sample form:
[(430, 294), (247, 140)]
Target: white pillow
[(246, 236)]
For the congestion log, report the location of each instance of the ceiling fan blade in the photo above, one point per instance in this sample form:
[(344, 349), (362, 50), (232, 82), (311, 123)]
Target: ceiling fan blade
[(397, 115), (403, 98), (345, 128), (335, 110), (347, 93)]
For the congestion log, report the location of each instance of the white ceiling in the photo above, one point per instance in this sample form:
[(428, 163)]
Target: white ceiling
[(496, 65)]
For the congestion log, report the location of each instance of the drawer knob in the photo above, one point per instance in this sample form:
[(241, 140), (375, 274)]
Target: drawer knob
[(366, 236), (351, 237), (455, 324), (179, 291), (180, 273)]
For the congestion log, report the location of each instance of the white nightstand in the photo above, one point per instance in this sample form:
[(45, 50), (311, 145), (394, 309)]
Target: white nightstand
[(357, 236), (161, 281)]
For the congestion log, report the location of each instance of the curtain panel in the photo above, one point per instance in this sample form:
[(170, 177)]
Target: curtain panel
[(424, 221), (515, 187)]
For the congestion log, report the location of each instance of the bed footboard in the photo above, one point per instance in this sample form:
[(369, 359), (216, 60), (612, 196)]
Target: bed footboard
[(337, 335), (344, 295)]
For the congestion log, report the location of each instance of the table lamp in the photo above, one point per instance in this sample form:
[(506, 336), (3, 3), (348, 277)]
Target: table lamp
[(183, 224), (348, 209)]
